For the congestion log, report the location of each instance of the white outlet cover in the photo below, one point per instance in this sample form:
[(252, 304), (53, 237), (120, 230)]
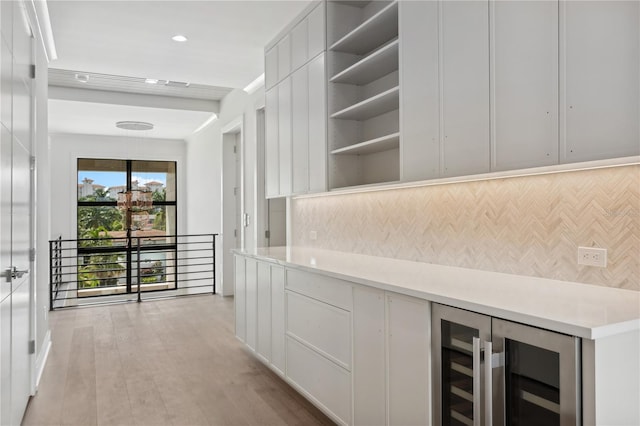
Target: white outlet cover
[(592, 256)]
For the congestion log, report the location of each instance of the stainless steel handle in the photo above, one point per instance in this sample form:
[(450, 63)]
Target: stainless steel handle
[(488, 383), (13, 273), (476, 381)]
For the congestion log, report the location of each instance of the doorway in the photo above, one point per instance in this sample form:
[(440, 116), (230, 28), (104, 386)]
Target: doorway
[(234, 220)]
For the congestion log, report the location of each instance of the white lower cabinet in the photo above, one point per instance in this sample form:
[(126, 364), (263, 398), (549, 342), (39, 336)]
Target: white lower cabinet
[(359, 354), (277, 319), (321, 380), (408, 355), (263, 317)]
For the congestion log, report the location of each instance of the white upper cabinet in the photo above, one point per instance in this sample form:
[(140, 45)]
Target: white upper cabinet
[(464, 40), (316, 31), (272, 155), (419, 90), (600, 47), (295, 108), (284, 135), (271, 68), (525, 84), (284, 57), (299, 45), (300, 132)]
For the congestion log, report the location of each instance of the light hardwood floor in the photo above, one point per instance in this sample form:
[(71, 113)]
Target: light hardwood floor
[(165, 362)]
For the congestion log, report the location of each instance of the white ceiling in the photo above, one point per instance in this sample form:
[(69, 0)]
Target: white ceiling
[(133, 39)]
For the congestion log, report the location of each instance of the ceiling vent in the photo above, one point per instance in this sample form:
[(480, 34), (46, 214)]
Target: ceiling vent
[(134, 125), (177, 84)]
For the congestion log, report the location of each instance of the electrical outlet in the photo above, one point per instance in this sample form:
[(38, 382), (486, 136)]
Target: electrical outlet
[(313, 235), (592, 256)]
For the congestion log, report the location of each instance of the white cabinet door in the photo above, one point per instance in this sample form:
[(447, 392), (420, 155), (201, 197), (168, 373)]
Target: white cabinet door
[(284, 57), (5, 359), (277, 319), (369, 366), (316, 31), (601, 100), (525, 89), (263, 343), (300, 130), (317, 124), (465, 87), (419, 90), (251, 279), (408, 340), (299, 36), (272, 154), (240, 298), (284, 135), (271, 68)]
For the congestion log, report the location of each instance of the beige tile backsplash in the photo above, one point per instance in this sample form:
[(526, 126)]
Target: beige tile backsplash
[(529, 225)]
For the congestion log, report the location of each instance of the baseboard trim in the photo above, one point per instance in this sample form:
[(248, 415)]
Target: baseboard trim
[(41, 361)]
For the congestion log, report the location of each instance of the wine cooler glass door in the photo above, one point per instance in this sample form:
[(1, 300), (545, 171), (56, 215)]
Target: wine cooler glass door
[(457, 352), (538, 382)]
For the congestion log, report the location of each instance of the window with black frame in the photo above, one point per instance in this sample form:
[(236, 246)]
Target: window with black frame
[(112, 229)]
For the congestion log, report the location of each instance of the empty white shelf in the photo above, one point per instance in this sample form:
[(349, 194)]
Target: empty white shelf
[(375, 31), (371, 107), (383, 143), (380, 63)]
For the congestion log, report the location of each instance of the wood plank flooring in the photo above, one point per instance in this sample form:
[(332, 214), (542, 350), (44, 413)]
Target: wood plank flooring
[(165, 362)]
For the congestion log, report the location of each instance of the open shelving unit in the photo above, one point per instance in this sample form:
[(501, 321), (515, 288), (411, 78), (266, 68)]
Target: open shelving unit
[(363, 92)]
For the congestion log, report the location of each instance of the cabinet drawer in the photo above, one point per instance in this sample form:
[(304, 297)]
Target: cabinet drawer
[(324, 327), (322, 380), (330, 290)]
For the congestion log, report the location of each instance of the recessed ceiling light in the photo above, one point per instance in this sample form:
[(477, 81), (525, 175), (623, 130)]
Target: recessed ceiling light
[(151, 81), (82, 78), (134, 125), (179, 37)]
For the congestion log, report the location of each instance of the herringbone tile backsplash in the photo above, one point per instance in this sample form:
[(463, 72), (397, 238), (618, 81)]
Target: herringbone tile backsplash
[(529, 225)]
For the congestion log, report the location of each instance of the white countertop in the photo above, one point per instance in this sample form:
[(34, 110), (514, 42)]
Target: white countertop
[(582, 310)]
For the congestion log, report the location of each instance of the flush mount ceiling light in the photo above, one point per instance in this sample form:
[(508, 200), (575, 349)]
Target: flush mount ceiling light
[(82, 78), (134, 125), (151, 81), (179, 38)]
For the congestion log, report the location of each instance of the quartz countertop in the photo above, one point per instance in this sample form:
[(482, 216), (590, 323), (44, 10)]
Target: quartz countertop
[(577, 309)]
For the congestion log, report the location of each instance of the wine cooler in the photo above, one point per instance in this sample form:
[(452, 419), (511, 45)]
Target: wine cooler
[(491, 372)]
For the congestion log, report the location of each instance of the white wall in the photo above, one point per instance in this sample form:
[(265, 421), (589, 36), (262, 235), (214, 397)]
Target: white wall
[(204, 171), (65, 149)]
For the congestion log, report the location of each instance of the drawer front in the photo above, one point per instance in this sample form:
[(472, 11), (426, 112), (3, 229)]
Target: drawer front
[(325, 382), (330, 290), (324, 327)]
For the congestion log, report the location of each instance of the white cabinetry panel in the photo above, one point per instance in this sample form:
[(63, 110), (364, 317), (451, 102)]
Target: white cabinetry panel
[(323, 327), (5, 360), (525, 89), (240, 298), (251, 281), (300, 130), (316, 31), (321, 379), (464, 38), (317, 124), (408, 342), (277, 318), (284, 57), (263, 342), (284, 135), (369, 366), (601, 100), (271, 68), (419, 90), (272, 155), (326, 289), (299, 43)]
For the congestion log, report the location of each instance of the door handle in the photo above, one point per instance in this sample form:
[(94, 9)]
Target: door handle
[(14, 273)]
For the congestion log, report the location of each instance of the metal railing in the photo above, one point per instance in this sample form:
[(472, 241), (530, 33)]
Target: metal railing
[(111, 269)]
